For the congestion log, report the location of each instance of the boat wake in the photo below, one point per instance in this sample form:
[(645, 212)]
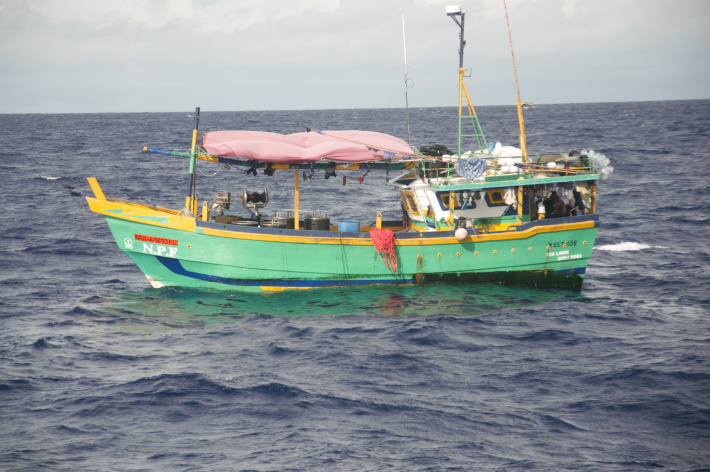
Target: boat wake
[(627, 246)]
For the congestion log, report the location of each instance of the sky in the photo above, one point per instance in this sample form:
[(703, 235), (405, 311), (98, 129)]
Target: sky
[(87, 56)]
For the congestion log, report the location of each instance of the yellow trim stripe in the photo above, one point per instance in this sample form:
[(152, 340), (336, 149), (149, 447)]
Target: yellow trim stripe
[(400, 242), (184, 223)]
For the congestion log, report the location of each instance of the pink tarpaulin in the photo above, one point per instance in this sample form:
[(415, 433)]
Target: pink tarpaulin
[(347, 146)]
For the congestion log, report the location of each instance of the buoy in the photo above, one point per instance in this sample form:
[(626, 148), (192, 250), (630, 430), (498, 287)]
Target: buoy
[(461, 234)]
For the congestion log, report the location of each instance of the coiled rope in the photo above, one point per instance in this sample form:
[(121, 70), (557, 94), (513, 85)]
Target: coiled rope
[(383, 240)]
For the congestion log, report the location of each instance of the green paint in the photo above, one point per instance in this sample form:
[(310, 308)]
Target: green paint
[(494, 181), (231, 258)]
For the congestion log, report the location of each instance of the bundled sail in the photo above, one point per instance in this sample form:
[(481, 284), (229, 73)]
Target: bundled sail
[(345, 146)]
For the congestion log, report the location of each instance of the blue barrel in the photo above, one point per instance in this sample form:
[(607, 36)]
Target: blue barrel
[(349, 225)]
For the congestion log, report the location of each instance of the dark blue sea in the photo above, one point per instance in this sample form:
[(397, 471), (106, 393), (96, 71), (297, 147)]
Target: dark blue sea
[(101, 372)]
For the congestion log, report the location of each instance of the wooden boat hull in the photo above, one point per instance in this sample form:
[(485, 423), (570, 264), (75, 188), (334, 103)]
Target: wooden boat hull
[(174, 250)]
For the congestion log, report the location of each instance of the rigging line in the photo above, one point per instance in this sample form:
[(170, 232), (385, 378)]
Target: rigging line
[(210, 175), (343, 256)]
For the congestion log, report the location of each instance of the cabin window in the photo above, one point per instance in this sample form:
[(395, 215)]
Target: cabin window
[(496, 197), (408, 197), (445, 197)]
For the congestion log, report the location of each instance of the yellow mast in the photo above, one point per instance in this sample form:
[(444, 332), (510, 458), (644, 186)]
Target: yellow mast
[(523, 140), (523, 144)]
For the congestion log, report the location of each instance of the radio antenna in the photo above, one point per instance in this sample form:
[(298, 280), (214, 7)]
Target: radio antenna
[(406, 81)]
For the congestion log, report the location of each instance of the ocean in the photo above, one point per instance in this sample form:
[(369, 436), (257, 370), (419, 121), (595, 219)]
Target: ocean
[(101, 372)]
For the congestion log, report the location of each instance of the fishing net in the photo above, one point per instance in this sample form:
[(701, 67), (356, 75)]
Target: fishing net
[(383, 240), (470, 167)]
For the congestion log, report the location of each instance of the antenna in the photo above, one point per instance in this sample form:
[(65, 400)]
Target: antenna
[(406, 81)]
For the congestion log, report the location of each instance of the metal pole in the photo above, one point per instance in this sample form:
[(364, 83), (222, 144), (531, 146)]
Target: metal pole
[(191, 200), (462, 42)]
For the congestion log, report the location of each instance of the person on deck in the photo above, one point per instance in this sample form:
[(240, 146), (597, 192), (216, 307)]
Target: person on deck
[(555, 207), (560, 208)]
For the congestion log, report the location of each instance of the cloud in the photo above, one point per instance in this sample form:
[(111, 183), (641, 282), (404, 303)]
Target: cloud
[(161, 55), (223, 16)]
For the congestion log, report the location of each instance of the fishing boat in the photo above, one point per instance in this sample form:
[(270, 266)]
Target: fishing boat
[(492, 215)]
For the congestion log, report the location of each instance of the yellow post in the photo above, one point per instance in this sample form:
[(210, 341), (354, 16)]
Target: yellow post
[(98, 193), (379, 220), (191, 199), (205, 213), (462, 88), (520, 204), (295, 199), (452, 203), (594, 197), (523, 139)]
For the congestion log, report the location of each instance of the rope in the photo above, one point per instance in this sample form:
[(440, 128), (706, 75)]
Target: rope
[(383, 240), (212, 175)]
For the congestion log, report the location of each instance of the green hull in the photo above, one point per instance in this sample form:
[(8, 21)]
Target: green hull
[(541, 253)]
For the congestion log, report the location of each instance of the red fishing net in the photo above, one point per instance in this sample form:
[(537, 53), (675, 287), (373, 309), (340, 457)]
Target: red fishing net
[(383, 240)]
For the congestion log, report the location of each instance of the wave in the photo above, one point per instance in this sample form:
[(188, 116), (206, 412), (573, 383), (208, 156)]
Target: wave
[(46, 177), (628, 246)]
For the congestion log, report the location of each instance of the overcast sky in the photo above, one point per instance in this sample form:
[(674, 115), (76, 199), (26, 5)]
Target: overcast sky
[(173, 55)]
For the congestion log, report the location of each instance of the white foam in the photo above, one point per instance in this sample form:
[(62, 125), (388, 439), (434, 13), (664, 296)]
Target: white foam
[(628, 246), (50, 178)]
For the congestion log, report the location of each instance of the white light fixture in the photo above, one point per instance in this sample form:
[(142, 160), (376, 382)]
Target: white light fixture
[(453, 9)]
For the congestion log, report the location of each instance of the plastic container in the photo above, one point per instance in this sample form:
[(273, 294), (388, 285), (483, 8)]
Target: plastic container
[(348, 225)]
